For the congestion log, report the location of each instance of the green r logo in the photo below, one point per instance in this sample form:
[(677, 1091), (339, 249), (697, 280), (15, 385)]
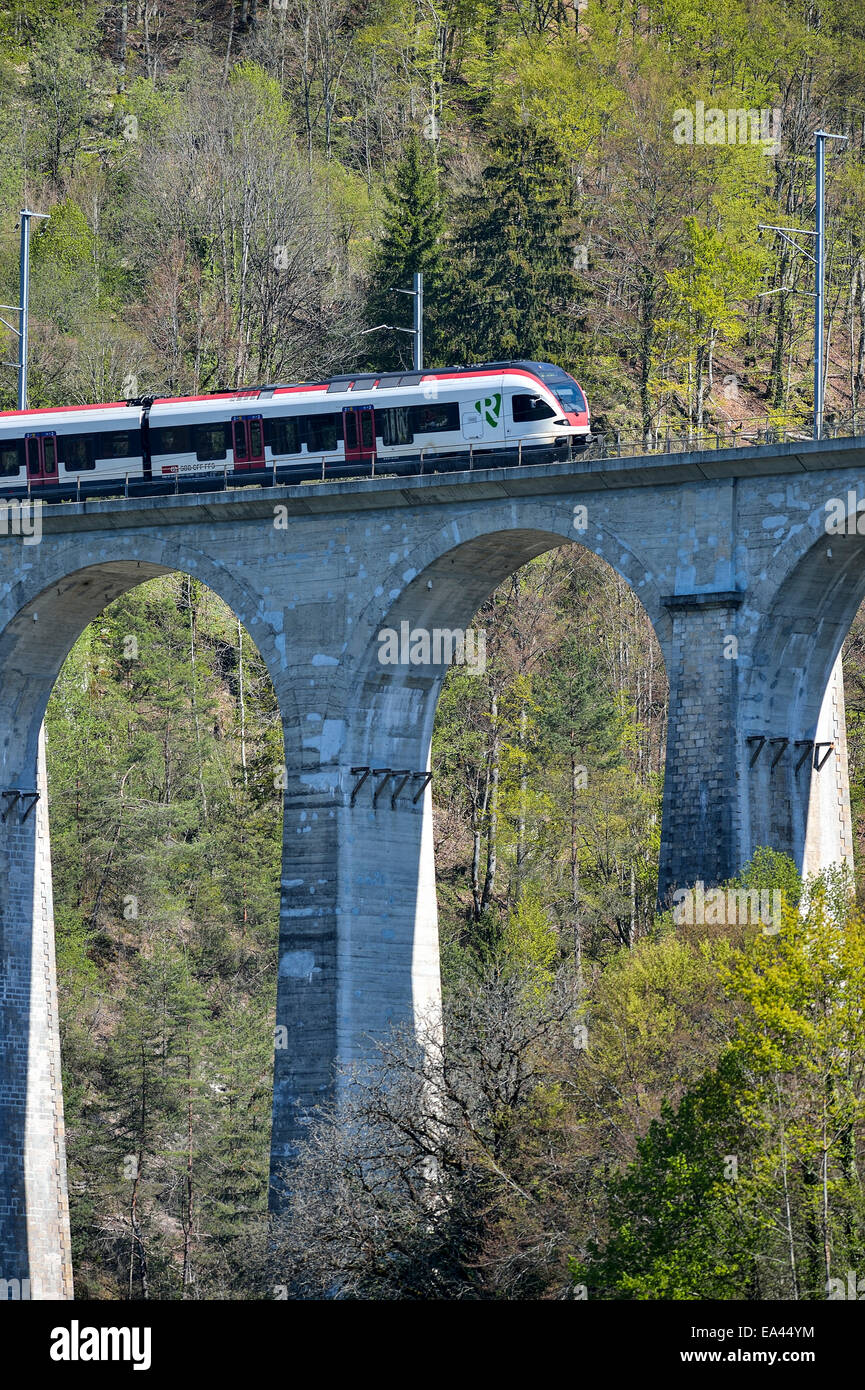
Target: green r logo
[(490, 408)]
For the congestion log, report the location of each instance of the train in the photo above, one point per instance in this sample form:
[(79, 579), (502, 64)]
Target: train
[(363, 424)]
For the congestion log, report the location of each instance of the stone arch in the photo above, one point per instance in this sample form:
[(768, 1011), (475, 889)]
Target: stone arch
[(67, 589), (388, 922), (465, 561), (51, 603)]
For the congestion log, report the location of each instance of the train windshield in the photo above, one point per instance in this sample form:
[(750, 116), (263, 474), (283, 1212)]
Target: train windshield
[(564, 388)]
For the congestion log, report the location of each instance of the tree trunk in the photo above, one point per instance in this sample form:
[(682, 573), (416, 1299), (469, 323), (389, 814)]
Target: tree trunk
[(647, 336), (860, 350), (149, 63), (575, 880), (226, 65), (521, 822), (791, 1244), (476, 862), (122, 37), (192, 611), (493, 816), (190, 1193), (242, 702), (137, 1246), (777, 373)]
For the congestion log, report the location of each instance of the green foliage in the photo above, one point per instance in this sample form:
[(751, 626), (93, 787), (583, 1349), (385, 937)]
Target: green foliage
[(62, 72), (750, 1187), (166, 853), (769, 869), (528, 167), (679, 1230), (513, 288), (576, 712), (26, 20), (530, 939), (412, 240)]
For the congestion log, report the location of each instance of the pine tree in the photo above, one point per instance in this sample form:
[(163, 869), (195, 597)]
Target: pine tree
[(411, 241), (514, 291)]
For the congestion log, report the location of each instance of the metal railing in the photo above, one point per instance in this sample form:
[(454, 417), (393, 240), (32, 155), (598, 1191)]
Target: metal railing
[(744, 434), (611, 445)]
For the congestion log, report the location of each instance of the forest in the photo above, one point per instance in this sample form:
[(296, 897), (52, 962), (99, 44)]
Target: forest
[(625, 1109)]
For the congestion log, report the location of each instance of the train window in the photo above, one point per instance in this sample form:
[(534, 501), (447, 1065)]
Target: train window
[(322, 432), (11, 456), (49, 453), (210, 441), (563, 387), (282, 435), (428, 419), (170, 439), (527, 408), (122, 444), (367, 438), (238, 435), (570, 395), (78, 453), (395, 425)]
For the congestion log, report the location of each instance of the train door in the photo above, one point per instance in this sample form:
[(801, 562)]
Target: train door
[(248, 441), (41, 457), (358, 423)]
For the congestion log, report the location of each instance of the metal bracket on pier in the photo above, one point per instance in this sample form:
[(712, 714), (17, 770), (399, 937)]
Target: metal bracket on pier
[(759, 739), (426, 778), (807, 744), (12, 794), (364, 773), (385, 774), (404, 773), (828, 747), (401, 776), (785, 743)]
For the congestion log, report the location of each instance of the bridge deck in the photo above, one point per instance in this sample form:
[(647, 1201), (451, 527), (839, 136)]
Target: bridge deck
[(582, 475)]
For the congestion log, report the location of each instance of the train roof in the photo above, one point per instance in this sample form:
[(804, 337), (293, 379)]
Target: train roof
[(72, 410), (372, 381), (344, 385), (545, 372)]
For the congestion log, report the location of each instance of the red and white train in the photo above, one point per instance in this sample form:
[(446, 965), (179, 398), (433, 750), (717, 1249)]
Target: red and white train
[(441, 420)]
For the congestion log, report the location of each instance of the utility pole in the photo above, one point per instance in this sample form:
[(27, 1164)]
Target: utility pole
[(22, 309), (417, 320), (819, 259), (819, 279)]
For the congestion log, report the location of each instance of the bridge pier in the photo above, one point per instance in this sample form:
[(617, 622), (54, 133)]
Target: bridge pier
[(829, 826), (35, 1250), (737, 781), (699, 835), (358, 945), (359, 920)]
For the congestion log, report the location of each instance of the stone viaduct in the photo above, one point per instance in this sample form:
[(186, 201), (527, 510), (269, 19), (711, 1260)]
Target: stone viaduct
[(728, 551)]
